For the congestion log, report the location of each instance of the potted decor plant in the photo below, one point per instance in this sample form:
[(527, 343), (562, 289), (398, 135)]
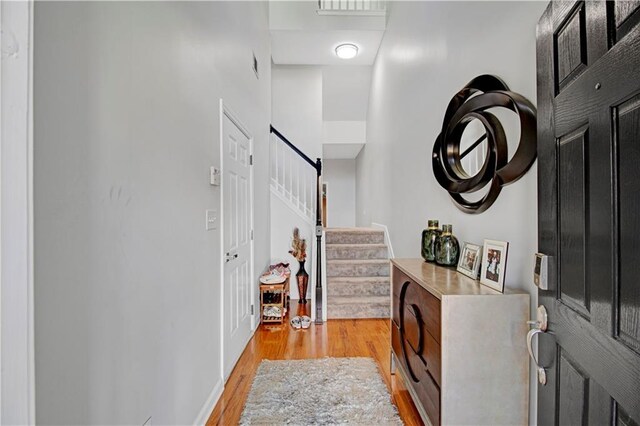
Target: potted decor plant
[(299, 251)]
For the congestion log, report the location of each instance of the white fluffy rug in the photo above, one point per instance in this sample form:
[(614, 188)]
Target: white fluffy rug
[(326, 391)]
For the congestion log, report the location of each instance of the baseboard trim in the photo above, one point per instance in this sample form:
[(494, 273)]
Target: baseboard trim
[(210, 404)]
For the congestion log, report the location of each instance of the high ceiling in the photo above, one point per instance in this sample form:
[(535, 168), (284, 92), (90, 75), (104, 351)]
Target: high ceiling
[(300, 36), (318, 47)]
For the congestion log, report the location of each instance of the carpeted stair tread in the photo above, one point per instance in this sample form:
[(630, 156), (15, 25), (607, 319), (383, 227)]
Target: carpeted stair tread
[(354, 230), (354, 236), (368, 300), (361, 261), (358, 310), (358, 268), (352, 286), (356, 251)]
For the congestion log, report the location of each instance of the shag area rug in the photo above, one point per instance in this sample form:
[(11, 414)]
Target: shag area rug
[(326, 391)]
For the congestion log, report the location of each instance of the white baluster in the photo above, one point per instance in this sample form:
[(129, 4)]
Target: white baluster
[(276, 146), (298, 181), (304, 189), (283, 167), (272, 159)]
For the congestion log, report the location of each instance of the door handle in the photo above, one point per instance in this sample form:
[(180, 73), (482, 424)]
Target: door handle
[(542, 375), (230, 257), (539, 326)]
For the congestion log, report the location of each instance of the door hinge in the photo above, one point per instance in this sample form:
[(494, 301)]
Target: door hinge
[(251, 309), (251, 235), (251, 160)]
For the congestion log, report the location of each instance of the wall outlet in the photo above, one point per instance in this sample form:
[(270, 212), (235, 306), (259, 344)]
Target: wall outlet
[(212, 220)]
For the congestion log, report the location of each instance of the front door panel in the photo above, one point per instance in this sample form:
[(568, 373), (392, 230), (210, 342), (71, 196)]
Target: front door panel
[(589, 211)]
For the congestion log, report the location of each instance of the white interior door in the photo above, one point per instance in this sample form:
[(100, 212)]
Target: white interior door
[(17, 355), (237, 240)]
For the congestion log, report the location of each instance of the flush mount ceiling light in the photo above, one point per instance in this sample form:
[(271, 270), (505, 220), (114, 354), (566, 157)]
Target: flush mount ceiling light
[(347, 51)]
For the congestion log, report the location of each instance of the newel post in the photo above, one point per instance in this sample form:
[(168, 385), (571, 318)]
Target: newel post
[(319, 241)]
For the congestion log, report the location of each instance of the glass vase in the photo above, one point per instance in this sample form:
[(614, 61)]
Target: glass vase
[(429, 238), (447, 248)]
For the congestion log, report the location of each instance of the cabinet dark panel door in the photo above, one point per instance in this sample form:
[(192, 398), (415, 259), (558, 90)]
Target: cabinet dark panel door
[(589, 211)]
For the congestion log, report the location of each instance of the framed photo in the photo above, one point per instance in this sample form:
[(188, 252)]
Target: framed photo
[(494, 264), (469, 263)]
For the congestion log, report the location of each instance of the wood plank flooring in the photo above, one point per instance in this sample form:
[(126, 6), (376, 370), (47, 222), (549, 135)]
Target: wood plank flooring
[(335, 338)]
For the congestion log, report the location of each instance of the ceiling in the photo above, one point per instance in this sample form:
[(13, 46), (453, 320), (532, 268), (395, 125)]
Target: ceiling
[(317, 47), (300, 36)]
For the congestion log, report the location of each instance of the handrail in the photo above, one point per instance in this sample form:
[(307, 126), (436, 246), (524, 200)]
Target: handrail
[(317, 165), (304, 156)]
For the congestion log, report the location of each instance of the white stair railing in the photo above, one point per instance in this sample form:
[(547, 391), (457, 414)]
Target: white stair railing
[(355, 7), (292, 178), (297, 179)]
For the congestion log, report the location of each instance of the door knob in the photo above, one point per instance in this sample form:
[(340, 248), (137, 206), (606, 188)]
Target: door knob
[(230, 257), (539, 326), (542, 321)]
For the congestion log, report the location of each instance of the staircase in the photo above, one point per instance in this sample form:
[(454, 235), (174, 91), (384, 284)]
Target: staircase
[(358, 283)]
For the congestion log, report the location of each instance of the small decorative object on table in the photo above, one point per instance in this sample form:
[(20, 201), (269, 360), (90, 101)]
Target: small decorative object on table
[(447, 248), (429, 239), (299, 251), (469, 263), (494, 264)]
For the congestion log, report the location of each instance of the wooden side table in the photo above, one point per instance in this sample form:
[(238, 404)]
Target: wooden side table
[(274, 296)]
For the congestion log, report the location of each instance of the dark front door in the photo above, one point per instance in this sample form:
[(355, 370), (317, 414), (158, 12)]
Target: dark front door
[(589, 211)]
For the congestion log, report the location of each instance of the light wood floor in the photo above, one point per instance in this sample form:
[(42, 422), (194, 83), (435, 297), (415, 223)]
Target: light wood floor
[(335, 338)]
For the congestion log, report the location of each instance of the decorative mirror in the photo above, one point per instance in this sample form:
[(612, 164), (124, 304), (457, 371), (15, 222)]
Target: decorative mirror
[(471, 151)]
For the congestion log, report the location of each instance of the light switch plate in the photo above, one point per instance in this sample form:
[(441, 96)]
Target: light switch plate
[(212, 220)]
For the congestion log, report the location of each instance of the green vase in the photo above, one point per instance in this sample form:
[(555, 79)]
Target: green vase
[(447, 248), (429, 238)]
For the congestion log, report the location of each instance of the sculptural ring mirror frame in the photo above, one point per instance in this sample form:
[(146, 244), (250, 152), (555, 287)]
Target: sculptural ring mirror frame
[(471, 103)]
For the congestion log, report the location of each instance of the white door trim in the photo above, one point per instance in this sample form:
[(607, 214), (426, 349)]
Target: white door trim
[(225, 110), (16, 214)]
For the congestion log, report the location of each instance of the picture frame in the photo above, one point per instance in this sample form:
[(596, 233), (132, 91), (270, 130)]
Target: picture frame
[(470, 260), (494, 264)]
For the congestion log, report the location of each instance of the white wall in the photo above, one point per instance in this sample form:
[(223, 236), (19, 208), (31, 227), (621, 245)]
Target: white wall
[(344, 132), (297, 106), (345, 92), (340, 176), (283, 220), (127, 283), (431, 50)]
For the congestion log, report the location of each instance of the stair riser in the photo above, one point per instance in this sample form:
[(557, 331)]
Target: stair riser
[(355, 238), (358, 289), (357, 253), (357, 270), (359, 311)]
